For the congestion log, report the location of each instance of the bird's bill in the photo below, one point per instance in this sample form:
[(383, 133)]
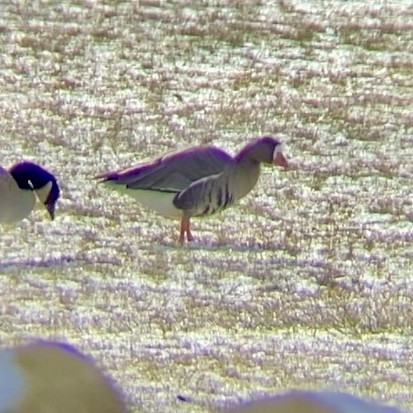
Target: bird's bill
[(42, 195), (279, 160), (51, 210)]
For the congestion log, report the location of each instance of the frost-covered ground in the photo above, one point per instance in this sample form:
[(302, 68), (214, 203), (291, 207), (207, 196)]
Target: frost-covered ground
[(306, 283)]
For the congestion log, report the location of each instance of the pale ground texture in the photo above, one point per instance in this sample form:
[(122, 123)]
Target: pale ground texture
[(306, 283)]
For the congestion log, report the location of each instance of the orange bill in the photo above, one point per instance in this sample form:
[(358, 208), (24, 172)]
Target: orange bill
[(280, 160)]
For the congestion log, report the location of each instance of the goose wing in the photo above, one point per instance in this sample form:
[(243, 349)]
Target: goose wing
[(173, 172)]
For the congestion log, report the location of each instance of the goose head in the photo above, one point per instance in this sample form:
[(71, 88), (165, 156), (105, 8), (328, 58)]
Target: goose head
[(266, 150), (30, 176)]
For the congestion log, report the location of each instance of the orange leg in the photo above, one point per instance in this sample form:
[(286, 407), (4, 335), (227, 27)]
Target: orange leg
[(185, 228)]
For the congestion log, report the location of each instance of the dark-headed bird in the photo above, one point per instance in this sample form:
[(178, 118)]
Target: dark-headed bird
[(19, 188)]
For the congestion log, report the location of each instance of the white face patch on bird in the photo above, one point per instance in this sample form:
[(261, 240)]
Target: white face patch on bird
[(278, 157), (43, 195)]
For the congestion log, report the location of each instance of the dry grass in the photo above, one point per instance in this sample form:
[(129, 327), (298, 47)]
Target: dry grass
[(305, 283)]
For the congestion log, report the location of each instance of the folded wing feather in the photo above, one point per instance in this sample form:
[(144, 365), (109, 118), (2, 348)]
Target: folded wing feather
[(175, 171)]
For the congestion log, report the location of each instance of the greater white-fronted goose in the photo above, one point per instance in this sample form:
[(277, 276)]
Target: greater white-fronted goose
[(19, 187), (197, 181), (54, 377)]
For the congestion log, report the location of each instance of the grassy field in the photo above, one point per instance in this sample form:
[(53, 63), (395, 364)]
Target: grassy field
[(306, 283)]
